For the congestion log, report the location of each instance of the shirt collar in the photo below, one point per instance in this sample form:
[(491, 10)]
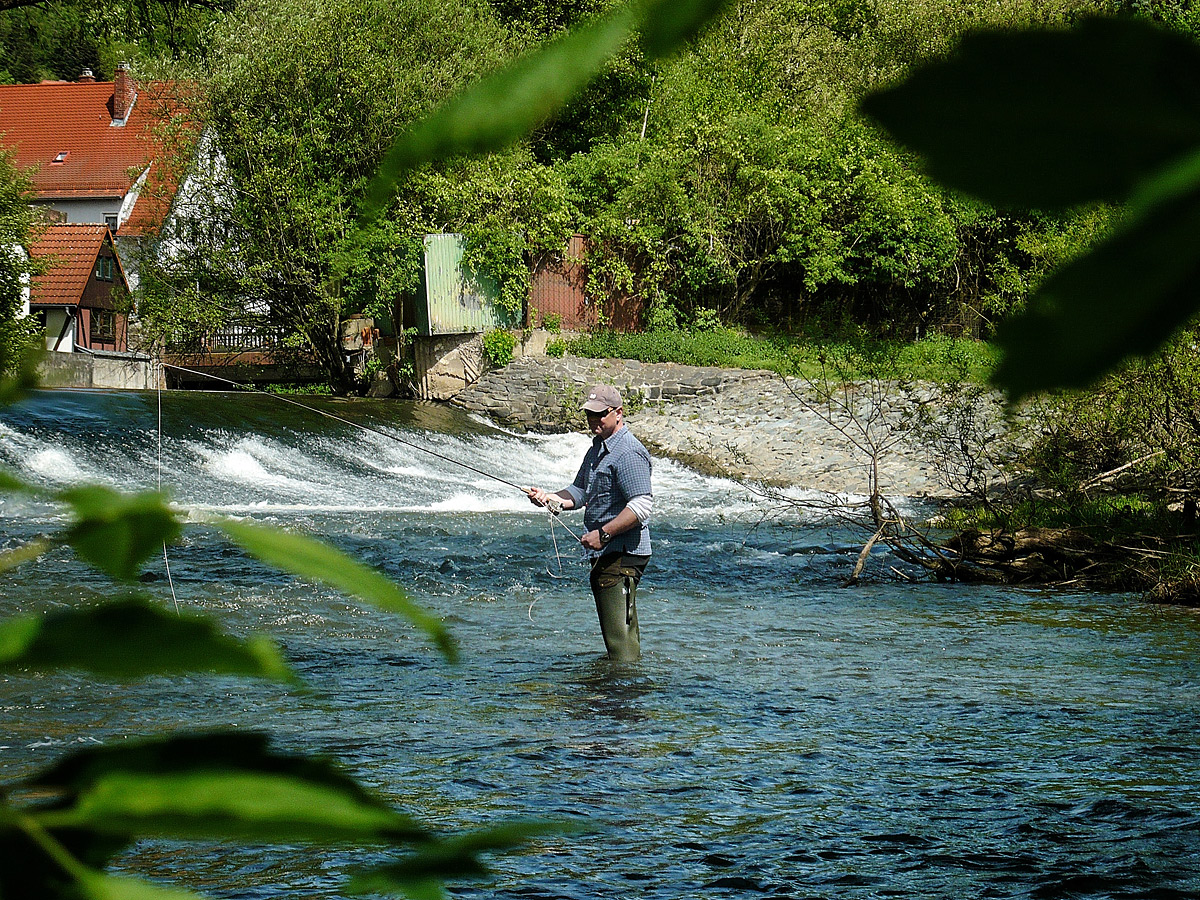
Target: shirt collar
[(614, 441)]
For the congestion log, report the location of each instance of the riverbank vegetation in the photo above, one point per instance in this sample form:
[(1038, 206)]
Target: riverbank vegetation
[(1106, 491), (734, 180)]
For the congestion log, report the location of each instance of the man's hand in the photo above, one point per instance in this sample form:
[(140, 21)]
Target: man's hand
[(540, 497)]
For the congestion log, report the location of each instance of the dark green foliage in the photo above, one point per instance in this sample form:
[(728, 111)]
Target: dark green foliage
[(1077, 116), (238, 790), (57, 40), (501, 109), (1103, 112), (1128, 297)]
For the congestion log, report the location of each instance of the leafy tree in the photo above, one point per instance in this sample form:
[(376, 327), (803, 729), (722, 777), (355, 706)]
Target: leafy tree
[(58, 40), (756, 190), (305, 97), (16, 226)]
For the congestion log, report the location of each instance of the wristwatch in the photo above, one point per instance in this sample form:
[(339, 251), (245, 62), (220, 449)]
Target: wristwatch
[(605, 537)]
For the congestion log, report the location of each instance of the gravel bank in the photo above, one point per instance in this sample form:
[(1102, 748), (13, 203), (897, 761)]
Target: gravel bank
[(747, 425)]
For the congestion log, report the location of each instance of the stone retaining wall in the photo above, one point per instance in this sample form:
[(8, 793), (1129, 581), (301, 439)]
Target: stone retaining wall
[(119, 371), (751, 425), (544, 394)]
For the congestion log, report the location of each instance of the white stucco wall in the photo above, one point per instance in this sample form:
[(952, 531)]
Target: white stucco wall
[(54, 324), (86, 211)]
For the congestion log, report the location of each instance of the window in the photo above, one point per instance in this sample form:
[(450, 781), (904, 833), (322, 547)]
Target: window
[(103, 326), (61, 158), (105, 268), (110, 219)]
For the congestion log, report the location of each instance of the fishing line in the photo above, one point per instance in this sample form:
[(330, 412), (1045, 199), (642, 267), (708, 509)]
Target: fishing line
[(158, 477), (337, 418), (552, 512)]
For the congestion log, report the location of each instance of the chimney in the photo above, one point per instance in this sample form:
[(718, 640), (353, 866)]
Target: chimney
[(124, 93), (86, 77)]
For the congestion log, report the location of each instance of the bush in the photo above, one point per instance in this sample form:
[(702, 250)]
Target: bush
[(498, 346)]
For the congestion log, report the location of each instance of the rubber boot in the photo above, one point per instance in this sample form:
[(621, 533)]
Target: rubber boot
[(616, 605)]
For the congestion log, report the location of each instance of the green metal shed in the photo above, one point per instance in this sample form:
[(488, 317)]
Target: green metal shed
[(456, 299)]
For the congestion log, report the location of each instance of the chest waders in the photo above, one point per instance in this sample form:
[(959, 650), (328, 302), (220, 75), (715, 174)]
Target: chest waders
[(614, 579)]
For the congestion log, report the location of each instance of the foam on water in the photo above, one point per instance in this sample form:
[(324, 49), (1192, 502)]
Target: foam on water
[(267, 463)]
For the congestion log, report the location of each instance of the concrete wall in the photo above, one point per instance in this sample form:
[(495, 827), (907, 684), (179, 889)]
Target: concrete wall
[(443, 365), (101, 370)]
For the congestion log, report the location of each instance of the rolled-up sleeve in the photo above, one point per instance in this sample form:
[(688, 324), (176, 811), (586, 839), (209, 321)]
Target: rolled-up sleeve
[(642, 506)]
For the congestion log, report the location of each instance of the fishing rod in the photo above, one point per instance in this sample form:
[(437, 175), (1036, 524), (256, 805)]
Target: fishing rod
[(552, 507)]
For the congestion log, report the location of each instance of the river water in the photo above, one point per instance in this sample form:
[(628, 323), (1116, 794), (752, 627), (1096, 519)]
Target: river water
[(782, 737)]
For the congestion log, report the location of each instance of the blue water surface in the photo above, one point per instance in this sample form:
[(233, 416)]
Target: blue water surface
[(782, 737)]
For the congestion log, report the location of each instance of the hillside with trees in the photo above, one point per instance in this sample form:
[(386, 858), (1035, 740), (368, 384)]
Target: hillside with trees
[(734, 178)]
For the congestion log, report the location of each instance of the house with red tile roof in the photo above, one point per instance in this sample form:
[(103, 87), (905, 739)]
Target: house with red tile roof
[(79, 296), (98, 152)]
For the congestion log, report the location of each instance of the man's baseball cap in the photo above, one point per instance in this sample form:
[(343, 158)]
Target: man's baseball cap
[(602, 398)]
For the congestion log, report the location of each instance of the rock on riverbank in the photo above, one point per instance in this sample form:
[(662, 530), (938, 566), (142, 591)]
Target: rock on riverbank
[(742, 424)]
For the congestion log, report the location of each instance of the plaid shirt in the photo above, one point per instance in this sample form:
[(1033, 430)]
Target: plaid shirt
[(613, 473)]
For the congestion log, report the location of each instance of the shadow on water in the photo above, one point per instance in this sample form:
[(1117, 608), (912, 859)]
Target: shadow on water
[(611, 689)]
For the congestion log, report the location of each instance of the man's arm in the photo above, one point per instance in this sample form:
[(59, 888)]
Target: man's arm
[(632, 516)]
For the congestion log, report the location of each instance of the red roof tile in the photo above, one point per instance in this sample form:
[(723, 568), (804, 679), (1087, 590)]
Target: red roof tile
[(63, 131), (73, 250)]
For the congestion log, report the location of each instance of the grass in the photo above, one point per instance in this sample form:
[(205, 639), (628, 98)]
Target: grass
[(299, 388), (936, 358)]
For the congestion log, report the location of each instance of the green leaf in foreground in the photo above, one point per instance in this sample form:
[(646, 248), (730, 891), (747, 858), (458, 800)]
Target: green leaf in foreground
[(667, 24), (1126, 297), (11, 483), (117, 532), (1051, 118), (235, 751), (21, 378), (312, 559), (133, 638), (10, 559), (502, 107), (229, 806), (100, 886), (420, 875), (221, 787)]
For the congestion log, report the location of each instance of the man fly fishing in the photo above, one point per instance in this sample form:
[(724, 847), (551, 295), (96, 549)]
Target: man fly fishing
[(613, 487)]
